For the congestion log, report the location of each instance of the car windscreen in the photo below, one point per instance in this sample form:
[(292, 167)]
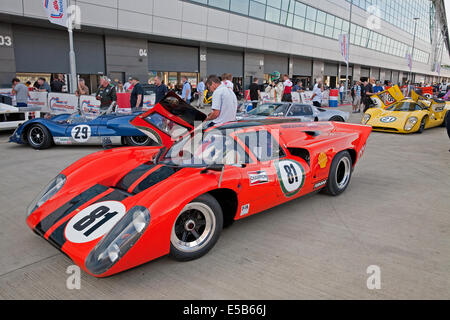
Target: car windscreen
[(404, 106), (265, 109)]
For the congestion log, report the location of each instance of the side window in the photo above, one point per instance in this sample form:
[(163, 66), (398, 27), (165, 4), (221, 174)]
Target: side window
[(300, 110), (166, 125), (262, 144)]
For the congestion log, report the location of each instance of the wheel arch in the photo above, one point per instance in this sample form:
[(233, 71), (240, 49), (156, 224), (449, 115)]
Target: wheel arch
[(353, 155), (228, 201)]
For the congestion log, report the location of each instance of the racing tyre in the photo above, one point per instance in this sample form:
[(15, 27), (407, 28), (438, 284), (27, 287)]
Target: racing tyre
[(138, 141), (446, 119), (422, 125), (39, 137), (337, 119), (340, 174), (196, 229)]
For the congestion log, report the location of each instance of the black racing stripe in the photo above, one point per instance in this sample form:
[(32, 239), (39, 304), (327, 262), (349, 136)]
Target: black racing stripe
[(69, 207), (131, 177), (57, 237), (154, 178)]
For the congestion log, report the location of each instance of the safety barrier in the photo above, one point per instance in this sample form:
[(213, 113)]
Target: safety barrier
[(58, 103)]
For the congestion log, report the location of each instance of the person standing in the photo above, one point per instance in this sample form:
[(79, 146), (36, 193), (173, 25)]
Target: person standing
[(137, 95), (82, 88), (227, 80), (106, 93), (368, 93), (287, 91), (161, 90), (356, 92), (317, 95), (341, 93), (201, 92), (255, 92), (224, 102), (127, 85), (186, 93), (58, 83), (21, 92)]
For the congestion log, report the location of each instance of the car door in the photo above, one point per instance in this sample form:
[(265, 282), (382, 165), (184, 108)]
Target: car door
[(260, 179), (169, 120)]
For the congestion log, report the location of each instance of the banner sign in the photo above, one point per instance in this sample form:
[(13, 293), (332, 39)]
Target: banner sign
[(56, 11), (149, 101), (409, 61), (296, 97), (37, 99), (343, 46), (62, 103), (90, 106)]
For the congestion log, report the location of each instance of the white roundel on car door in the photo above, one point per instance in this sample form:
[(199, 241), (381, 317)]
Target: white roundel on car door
[(94, 221), (81, 133), (291, 176)]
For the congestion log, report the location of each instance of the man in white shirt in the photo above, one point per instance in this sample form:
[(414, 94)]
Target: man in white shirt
[(227, 79), (317, 95), (224, 102), (127, 85)]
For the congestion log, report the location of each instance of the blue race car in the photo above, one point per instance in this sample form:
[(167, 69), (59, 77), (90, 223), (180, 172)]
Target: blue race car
[(78, 129)]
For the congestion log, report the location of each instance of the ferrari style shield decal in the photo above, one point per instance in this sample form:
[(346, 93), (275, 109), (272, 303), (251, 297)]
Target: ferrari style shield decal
[(291, 176)]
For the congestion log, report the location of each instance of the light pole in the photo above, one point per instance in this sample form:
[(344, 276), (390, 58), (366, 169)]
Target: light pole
[(413, 47), (348, 50)]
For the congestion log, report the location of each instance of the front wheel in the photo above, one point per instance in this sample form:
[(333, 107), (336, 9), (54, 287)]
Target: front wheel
[(138, 141), (422, 125), (340, 174), (196, 229), (337, 119), (39, 137)]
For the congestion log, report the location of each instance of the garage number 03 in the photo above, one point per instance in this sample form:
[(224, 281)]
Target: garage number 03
[(94, 221), (291, 176), (81, 133)]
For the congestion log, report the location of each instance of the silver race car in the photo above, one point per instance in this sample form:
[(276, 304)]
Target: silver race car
[(305, 112)]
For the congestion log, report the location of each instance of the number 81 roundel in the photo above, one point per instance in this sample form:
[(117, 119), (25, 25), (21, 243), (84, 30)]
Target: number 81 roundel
[(94, 221), (291, 176)]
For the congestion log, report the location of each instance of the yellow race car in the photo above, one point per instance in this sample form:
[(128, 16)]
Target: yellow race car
[(405, 115)]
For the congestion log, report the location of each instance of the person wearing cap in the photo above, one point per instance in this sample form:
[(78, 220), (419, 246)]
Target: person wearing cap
[(127, 85), (137, 95), (106, 93)]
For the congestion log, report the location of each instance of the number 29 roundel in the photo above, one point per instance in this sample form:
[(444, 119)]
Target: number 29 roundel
[(291, 176), (94, 221), (81, 133)]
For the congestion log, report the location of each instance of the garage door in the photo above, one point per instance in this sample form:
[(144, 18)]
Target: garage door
[(365, 73), (302, 67), (220, 62), (330, 70), (274, 63), (165, 57), (47, 50)]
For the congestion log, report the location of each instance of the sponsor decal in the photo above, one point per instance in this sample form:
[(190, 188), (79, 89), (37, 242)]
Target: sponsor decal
[(258, 177), (361, 152), (81, 133), (322, 160), (58, 105), (320, 184), (245, 209), (62, 140), (94, 221), (388, 119), (386, 98), (291, 176)]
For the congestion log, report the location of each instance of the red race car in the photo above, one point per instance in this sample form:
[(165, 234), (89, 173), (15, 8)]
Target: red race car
[(119, 208)]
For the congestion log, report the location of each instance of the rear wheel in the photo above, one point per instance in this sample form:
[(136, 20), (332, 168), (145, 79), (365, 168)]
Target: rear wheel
[(39, 137), (422, 125), (138, 141), (446, 118), (337, 119), (196, 229), (340, 174)]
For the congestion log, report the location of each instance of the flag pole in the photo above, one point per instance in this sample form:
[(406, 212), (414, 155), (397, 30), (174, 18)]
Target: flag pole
[(348, 51), (73, 66)]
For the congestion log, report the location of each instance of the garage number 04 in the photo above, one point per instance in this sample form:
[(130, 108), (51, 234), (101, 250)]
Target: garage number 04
[(291, 176), (94, 221), (81, 133)]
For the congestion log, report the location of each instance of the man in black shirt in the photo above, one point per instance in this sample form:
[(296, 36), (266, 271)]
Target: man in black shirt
[(255, 92), (368, 93), (106, 93), (161, 89), (57, 84), (137, 95)]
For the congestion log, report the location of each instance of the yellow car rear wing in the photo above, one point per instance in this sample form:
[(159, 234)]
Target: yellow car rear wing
[(388, 97)]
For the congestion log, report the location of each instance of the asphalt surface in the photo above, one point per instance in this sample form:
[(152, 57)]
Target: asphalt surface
[(394, 215)]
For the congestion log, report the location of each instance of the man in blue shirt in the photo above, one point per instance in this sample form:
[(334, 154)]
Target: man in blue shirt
[(378, 87), (186, 94), (201, 92)]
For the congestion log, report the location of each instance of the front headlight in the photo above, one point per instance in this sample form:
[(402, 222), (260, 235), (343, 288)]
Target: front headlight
[(410, 123), (118, 241), (366, 118), (49, 191)]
